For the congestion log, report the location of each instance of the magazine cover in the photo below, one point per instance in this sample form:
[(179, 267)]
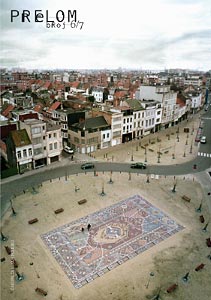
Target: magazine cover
[(105, 146)]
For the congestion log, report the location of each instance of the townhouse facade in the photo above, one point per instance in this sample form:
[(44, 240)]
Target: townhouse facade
[(98, 94), (89, 135), (20, 150), (53, 143), (46, 141), (165, 96), (36, 130)]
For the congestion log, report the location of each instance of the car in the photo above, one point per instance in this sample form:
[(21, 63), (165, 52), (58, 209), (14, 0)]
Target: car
[(87, 166), (138, 165), (68, 150), (203, 140)]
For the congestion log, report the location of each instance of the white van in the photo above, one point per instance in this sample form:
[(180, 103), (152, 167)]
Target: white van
[(203, 140)]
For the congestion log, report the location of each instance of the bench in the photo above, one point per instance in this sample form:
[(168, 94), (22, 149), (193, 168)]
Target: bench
[(41, 291), (8, 250), (82, 201), (59, 210), (199, 267), (33, 221), (172, 288), (201, 218), (184, 197), (208, 242)]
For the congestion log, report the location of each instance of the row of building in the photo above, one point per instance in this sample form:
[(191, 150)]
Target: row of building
[(43, 112)]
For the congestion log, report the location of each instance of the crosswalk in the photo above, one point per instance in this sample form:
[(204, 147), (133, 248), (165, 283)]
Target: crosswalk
[(204, 154)]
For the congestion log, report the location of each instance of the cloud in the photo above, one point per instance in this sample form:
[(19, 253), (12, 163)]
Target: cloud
[(169, 33)]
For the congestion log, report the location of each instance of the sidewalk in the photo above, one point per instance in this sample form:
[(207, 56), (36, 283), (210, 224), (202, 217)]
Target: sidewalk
[(174, 148), (165, 147)]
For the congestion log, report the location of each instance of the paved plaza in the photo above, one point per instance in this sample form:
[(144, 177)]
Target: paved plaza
[(118, 233)]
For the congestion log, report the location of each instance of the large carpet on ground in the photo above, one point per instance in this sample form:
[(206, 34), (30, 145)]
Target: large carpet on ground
[(118, 233)]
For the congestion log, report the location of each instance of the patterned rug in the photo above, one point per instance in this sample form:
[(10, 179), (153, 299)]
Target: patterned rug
[(117, 233)]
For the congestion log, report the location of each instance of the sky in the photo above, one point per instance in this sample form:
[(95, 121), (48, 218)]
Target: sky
[(135, 34)]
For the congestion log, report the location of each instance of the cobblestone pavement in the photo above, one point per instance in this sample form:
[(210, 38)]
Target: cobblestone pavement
[(118, 233), (167, 147)]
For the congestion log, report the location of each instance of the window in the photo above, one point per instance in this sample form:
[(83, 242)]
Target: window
[(104, 136), (51, 146), (107, 135), (36, 141), (54, 135), (124, 121), (36, 130), (30, 151), (55, 145), (37, 151), (24, 153), (19, 154), (43, 137), (49, 136)]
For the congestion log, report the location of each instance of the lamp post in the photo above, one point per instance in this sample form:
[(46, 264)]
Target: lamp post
[(184, 154), (132, 155), (145, 154), (174, 187), (3, 237), (186, 277), (159, 154), (191, 146), (111, 181), (173, 154), (199, 208), (103, 192), (151, 274)]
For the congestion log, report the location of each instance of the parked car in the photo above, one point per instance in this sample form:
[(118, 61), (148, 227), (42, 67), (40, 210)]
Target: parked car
[(203, 140), (87, 166), (138, 165), (68, 150)]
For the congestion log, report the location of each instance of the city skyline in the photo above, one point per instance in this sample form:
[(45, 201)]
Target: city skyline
[(134, 35)]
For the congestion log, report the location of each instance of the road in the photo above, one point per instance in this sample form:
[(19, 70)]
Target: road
[(16, 185)]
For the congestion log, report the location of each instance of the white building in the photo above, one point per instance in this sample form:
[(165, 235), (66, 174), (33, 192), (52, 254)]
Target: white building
[(98, 94), (36, 130), (20, 150), (105, 138), (54, 145), (165, 96)]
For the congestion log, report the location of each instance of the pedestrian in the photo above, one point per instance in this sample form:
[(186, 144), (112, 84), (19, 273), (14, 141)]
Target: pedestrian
[(88, 227)]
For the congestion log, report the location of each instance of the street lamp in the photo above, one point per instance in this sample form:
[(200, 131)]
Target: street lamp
[(191, 146), (103, 192), (132, 155), (159, 154), (174, 187), (145, 153), (151, 274)]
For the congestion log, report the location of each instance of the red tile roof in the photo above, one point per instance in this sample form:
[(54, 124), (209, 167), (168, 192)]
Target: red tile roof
[(38, 107), (54, 106), (9, 108)]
